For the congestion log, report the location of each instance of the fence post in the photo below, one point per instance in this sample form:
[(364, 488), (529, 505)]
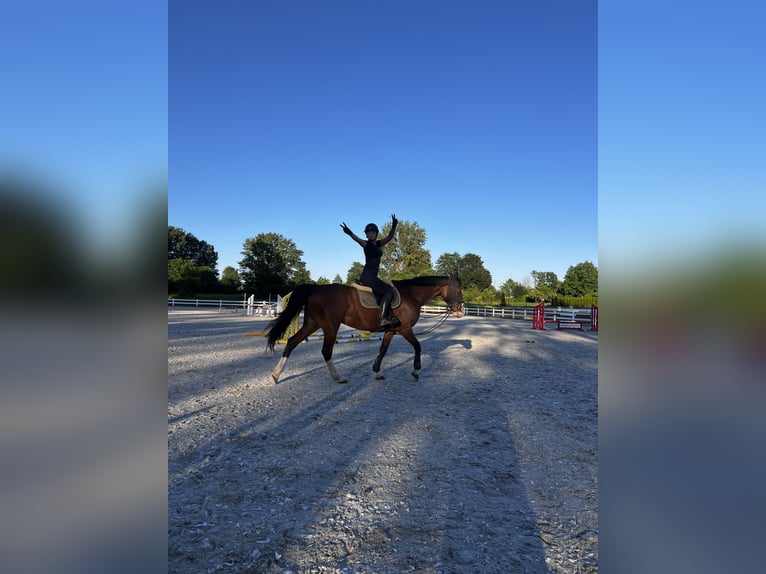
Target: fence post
[(538, 316)]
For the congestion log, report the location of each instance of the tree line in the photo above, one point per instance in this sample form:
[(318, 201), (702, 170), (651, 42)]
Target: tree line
[(272, 265)]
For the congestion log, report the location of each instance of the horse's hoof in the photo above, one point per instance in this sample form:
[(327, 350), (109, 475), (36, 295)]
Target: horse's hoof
[(274, 378), (342, 381), (415, 375), (379, 377)]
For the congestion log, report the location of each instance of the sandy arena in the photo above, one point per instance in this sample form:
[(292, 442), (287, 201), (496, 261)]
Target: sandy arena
[(486, 464)]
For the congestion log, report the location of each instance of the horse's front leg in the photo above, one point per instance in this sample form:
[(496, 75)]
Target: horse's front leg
[(410, 336), (381, 353)]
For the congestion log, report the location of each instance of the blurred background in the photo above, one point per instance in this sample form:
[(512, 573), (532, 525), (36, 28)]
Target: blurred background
[(682, 256), (83, 188)]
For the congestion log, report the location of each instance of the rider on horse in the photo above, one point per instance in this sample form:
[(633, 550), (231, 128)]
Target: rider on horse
[(372, 253)]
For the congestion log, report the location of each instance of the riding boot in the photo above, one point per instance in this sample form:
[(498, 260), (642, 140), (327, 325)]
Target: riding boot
[(387, 318)]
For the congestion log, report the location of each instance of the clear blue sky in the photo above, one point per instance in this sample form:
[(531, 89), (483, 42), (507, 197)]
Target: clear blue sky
[(84, 109), (485, 101), (478, 121), (682, 131)]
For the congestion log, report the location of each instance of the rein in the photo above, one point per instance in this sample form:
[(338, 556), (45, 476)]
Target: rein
[(439, 323), (442, 318)]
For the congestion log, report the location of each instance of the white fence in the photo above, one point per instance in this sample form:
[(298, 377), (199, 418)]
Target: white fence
[(249, 306), (253, 308), (552, 314)]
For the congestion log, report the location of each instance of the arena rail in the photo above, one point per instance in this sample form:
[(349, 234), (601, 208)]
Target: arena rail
[(552, 314)]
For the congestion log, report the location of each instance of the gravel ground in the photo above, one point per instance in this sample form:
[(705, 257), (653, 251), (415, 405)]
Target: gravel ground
[(487, 463)]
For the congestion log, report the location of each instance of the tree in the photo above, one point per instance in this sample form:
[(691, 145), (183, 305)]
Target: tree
[(405, 257), (488, 296), (271, 265), (230, 281), (545, 279), (187, 279), (354, 272), (337, 279), (473, 273), (191, 264), (581, 280), (184, 245), (470, 269), (300, 274), (449, 263), (545, 285), (513, 290)]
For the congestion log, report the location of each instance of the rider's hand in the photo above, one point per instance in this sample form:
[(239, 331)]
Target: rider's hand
[(346, 229)]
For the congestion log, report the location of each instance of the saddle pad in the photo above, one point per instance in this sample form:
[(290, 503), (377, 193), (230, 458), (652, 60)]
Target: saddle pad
[(367, 297)]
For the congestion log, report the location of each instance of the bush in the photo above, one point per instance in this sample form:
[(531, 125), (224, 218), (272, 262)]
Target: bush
[(578, 302)]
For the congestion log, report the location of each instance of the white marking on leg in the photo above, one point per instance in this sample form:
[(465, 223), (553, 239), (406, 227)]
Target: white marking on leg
[(278, 369), (334, 372)]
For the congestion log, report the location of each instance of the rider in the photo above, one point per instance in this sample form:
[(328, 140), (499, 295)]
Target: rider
[(372, 252)]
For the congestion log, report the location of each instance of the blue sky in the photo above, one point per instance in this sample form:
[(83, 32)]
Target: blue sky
[(84, 109), (682, 131), (477, 121)]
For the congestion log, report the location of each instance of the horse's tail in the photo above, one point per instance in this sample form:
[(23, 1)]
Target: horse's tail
[(298, 299)]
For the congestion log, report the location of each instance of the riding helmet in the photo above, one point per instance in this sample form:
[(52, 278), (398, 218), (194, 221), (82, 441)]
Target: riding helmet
[(371, 227)]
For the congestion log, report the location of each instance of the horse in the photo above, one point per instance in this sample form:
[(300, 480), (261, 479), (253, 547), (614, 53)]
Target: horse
[(327, 306)]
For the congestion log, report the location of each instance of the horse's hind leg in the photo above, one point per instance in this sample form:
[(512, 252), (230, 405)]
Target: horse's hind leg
[(309, 326), (382, 353)]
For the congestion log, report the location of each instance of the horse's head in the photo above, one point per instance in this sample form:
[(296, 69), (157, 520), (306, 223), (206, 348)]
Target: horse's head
[(454, 297)]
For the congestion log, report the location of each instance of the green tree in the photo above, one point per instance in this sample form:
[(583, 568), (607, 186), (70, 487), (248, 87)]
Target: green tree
[(300, 274), (545, 279), (489, 296), (230, 282), (191, 264), (473, 273), (449, 263), (337, 279), (405, 256), (187, 279), (470, 269), (184, 245), (271, 265), (354, 272), (513, 290), (546, 284), (580, 280)]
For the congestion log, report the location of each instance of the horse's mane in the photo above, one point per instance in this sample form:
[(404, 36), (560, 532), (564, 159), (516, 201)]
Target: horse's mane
[(425, 281)]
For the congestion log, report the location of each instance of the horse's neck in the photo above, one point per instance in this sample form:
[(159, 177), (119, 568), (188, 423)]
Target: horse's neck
[(423, 294)]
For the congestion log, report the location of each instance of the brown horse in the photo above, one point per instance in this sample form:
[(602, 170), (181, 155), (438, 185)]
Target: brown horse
[(327, 306)]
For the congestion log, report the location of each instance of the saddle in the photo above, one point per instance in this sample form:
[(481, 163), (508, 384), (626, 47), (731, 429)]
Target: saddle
[(368, 298)]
